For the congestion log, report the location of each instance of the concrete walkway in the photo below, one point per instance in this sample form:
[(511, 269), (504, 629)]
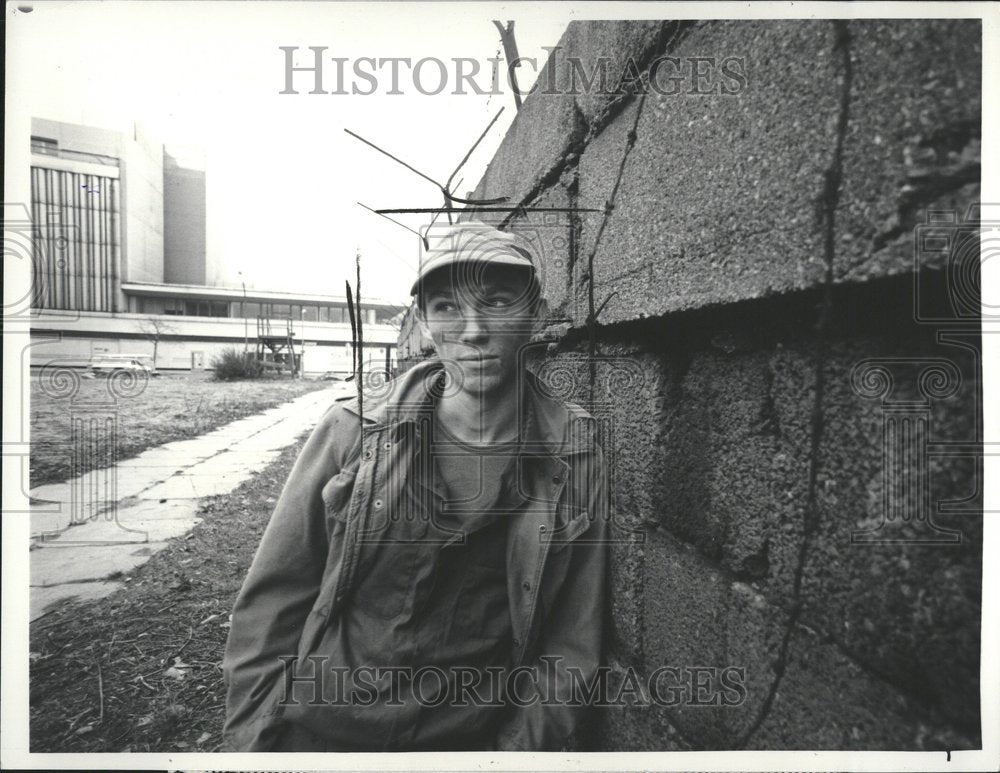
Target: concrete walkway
[(80, 547)]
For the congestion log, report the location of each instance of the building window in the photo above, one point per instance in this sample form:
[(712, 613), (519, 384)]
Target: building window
[(280, 310), (45, 146), (206, 308), (309, 314), (173, 306), (77, 242)]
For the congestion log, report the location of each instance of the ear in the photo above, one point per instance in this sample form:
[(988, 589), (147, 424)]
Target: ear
[(425, 332)]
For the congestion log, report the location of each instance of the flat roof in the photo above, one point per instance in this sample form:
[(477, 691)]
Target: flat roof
[(206, 292)]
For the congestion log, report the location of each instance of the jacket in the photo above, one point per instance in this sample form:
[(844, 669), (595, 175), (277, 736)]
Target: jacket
[(334, 503)]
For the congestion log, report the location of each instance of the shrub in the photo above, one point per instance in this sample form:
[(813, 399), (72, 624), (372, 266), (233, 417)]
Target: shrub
[(233, 363)]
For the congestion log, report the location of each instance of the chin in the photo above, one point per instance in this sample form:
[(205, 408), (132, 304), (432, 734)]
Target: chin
[(476, 382), (483, 385)]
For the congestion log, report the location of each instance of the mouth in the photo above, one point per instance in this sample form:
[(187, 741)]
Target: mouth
[(479, 358)]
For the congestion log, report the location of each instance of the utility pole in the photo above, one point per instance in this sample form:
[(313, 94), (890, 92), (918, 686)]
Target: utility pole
[(246, 335)]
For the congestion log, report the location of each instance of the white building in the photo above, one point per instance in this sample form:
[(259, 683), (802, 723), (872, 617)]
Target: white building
[(120, 266)]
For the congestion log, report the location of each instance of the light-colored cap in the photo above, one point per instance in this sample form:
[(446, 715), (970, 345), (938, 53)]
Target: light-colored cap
[(471, 242)]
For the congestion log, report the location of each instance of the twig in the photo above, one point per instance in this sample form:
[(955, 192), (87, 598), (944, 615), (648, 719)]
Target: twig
[(61, 647), (74, 720), (111, 644), (181, 649), (361, 341), (100, 690)]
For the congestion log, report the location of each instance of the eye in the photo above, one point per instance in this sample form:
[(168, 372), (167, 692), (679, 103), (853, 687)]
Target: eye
[(499, 301), (442, 307)]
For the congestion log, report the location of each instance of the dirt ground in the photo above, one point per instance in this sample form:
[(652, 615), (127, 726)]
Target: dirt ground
[(171, 407), (140, 670)]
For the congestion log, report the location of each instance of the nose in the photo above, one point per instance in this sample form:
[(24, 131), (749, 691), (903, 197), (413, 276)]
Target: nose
[(473, 329)]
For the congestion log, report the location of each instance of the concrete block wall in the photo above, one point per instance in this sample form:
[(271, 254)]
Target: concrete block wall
[(746, 280)]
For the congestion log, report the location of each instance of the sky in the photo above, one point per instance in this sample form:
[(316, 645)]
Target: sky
[(283, 178)]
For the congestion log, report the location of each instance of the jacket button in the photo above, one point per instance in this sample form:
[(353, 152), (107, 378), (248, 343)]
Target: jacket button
[(556, 479), (368, 454), (378, 504), (517, 642), (542, 528), (526, 586)]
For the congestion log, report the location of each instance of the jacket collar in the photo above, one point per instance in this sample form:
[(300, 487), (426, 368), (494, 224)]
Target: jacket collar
[(554, 427)]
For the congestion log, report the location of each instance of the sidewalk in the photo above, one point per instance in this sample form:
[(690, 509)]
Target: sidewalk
[(80, 549)]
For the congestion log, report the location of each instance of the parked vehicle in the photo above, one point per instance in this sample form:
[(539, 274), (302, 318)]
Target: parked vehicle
[(107, 363)]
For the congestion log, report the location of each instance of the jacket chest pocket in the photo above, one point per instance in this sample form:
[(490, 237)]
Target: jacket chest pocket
[(336, 496), (386, 577)]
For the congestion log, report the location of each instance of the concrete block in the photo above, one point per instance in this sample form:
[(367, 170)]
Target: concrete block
[(537, 141), (717, 199), (700, 617), (826, 701), (626, 587), (711, 445), (551, 237), (903, 598), (913, 137), (595, 56), (637, 728), (734, 459)]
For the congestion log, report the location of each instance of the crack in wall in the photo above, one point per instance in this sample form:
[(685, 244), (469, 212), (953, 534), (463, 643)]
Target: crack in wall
[(671, 33), (826, 210), (551, 176), (575, 229), (941, 163), (609, 207), (919, 195)]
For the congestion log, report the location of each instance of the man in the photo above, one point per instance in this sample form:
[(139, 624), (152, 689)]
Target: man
[(433, 575)]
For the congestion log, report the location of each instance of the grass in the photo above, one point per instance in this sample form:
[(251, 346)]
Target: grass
[(99, 678), (171, 407)]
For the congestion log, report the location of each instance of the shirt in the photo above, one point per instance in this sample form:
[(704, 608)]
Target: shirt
[(431, 601)]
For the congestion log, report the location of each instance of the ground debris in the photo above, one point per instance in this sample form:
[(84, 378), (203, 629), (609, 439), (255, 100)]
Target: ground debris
[(152, 651)]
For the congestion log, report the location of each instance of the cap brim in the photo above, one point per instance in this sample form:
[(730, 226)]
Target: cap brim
[(444, 261)]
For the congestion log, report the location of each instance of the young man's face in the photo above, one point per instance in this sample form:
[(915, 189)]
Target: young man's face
[(479, 324)]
